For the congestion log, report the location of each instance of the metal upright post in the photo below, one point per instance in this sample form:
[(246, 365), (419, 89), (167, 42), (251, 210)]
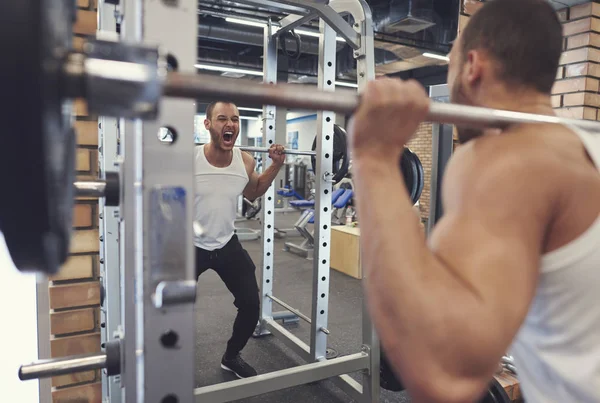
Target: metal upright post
[(130, 254), (323, 181), (268, 209), (365, 58), (110, 276), (442, 144), (166, 283)]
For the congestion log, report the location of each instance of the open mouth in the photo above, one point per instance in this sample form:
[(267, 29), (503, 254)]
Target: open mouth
[(228, 138)]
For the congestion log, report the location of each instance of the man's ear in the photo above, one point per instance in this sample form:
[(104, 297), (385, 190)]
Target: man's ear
[(206, 124), (474, 68)]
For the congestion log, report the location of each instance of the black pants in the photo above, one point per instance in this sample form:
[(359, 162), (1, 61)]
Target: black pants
[(235, 267)]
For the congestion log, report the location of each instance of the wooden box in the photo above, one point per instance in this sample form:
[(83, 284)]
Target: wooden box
[(345, 250)]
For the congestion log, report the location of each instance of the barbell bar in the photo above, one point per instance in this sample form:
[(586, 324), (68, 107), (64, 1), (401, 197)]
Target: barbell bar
[(110, 360), (287, 151), (343, 101), (62, 366), (108, 188), (266, 150), (95, 188)]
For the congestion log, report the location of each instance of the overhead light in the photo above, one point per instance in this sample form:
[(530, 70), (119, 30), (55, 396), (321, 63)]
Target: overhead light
[(254, 73), (248, 117), (316, 34), (242, 108), (275, 29), (245, 22), (228, 69), (343, 84), (439, 57)]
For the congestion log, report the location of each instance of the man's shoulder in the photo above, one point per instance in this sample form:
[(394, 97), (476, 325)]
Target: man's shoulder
[(497, 165), (248, 158)]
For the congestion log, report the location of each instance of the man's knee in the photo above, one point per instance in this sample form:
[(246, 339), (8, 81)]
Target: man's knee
[(249, 303)]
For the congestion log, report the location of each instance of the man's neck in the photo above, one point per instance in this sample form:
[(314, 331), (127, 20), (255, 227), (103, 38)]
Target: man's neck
[(216, 156), (519, 101)]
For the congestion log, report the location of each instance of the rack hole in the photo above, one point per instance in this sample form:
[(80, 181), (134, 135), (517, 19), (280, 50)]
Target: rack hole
[(167, 135)]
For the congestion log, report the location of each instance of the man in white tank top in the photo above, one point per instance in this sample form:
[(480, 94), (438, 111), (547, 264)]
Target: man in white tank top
[(514, 264), (222, 173)]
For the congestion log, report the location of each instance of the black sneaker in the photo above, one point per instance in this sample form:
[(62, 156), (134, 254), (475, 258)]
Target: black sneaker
[(238, 366)]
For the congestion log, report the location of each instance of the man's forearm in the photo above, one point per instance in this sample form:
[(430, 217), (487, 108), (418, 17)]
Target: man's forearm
[(411, 294), (265, 179)]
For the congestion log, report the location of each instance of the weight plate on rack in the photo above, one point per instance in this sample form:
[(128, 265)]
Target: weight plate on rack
[(37, 157)]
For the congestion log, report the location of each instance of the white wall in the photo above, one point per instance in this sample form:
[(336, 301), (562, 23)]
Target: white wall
[(18, 337), (305, 123)]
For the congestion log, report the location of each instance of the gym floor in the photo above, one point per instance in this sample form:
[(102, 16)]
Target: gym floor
[(293, 284)]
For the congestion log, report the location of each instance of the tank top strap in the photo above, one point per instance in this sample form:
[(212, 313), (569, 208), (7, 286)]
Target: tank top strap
[(591, 142)]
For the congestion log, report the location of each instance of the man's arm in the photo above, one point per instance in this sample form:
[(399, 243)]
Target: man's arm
[(258, 184), (447, 313)]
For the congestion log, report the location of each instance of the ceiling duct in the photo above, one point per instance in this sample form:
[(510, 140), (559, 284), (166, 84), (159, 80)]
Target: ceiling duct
[(409, 16)]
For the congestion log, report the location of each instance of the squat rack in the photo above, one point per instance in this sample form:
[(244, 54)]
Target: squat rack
[(155, 270), (171, 182), (360, 37)]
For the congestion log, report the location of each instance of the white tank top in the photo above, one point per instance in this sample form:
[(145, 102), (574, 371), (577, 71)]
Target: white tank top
[(215, 204), (557, 349)]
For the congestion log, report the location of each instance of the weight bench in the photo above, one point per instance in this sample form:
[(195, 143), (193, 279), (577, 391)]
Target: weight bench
[(339, 199), (287, 193)]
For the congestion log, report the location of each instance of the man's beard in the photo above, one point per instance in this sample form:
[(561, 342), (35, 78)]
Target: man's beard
[(464, 133)]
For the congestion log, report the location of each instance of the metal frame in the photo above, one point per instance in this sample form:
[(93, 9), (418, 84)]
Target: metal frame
[(441, 150), (108, 222), (157, 276), (43, 333), (159, 363), (318, 367)]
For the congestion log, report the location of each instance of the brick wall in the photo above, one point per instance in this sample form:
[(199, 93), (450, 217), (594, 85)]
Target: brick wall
[(74, 293), (420, 144), (575, 93)]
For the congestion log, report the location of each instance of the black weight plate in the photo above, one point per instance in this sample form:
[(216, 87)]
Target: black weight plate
[(421, 176), (341, 161), (387, 378), (409, 173), (495, 394), (37, 152)]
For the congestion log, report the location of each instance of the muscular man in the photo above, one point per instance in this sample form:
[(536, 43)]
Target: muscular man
[(514, 263), (222, 174)]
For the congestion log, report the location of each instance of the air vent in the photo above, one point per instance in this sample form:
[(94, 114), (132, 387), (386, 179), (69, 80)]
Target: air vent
[(410, 16)]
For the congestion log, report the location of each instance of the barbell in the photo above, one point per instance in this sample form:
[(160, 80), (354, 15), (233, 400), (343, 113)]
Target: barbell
[(121, 80)]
